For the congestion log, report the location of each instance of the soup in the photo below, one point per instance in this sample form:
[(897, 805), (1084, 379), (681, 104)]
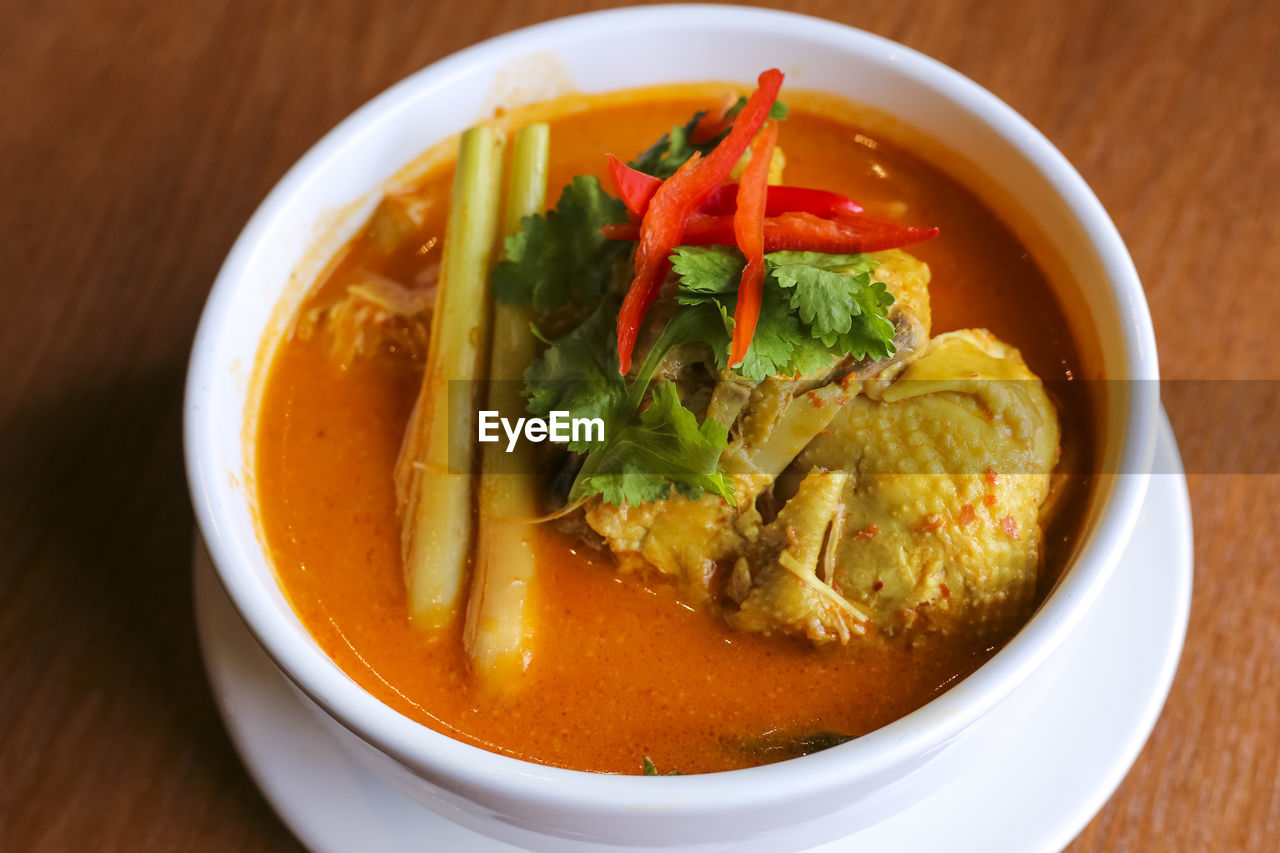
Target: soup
[(627, 663)]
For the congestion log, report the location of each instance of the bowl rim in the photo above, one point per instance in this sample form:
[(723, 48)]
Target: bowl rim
[(453, 763)]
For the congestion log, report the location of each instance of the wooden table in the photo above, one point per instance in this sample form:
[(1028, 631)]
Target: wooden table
[(135, 140)]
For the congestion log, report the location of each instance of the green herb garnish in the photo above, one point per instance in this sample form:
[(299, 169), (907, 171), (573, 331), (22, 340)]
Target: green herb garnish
[(661, 447), (560, 257), (815, 308), (651, 770), (779, 746), (647, 450)]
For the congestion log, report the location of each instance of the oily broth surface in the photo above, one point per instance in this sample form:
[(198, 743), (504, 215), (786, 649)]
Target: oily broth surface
[(620, 669)]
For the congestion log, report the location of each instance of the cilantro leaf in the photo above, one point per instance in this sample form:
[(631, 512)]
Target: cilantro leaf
[(706, 272), (845, 310), (778, 335), (664, 447), (708, 289), (560, 257), (823, 299), (811, 356), (579, 374)]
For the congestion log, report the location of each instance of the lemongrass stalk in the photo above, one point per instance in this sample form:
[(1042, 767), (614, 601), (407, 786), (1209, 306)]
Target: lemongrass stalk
[(498, 627), (437, 497)]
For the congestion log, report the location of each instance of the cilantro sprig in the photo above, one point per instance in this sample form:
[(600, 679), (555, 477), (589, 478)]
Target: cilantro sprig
[(560, 257), (816, 308), (660, 448), (648, 449)]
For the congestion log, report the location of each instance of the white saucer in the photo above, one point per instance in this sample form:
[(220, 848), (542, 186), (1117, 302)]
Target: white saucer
[(1045, 761)]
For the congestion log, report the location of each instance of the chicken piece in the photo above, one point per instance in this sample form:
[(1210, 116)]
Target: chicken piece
[(770, 423), (681, 538), (949, 465), (792, 591)]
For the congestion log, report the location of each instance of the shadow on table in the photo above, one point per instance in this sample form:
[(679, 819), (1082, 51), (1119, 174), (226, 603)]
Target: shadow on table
[(105, 679)]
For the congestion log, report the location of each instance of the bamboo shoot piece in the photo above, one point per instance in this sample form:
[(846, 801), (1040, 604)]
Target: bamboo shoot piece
[(437, 497), (498, 629)]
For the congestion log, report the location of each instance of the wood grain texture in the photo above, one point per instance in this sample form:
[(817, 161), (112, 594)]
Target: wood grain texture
[(135, 140)]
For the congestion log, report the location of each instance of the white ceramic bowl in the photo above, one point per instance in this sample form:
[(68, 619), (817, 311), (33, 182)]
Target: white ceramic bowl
[(780, 806)]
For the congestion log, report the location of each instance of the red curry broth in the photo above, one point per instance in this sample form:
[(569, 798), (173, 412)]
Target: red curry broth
[(621, 670)]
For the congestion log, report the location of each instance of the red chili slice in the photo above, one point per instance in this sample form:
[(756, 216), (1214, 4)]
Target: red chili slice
[(636, 188), (748, 230), (784, 199), (663, 225), (797, 232)]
